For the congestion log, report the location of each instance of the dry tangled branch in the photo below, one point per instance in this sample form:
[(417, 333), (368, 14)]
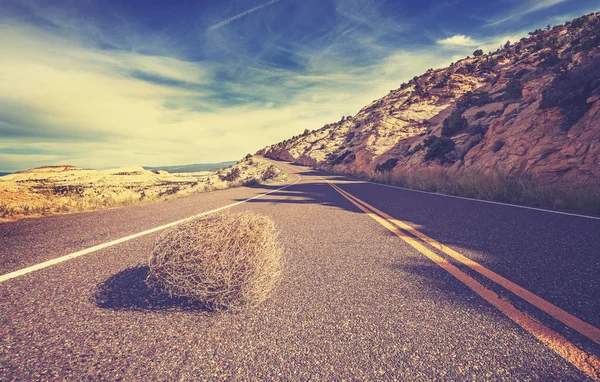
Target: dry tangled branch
[(226, 260)]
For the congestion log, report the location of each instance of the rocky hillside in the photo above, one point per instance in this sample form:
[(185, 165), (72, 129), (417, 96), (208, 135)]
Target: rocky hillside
[(531, 109)]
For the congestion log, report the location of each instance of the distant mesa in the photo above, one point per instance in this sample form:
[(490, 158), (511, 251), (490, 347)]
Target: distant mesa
[(200, 167), (131, 170), (43, 169)]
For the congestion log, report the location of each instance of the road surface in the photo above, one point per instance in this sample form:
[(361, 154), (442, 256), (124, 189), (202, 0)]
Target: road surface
[(380, 284)]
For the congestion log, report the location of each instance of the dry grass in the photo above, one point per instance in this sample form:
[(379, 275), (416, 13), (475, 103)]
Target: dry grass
[(497, 187), (41, 192), (226, 261)]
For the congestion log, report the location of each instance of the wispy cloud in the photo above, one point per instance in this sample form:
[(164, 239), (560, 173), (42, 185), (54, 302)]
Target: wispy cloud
[(97, 108), (528, 8), (130, 85), (240, 15)]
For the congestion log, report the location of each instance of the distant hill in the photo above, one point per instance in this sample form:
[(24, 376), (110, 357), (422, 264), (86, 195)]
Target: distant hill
[(192, 167), (5, 173), (44, 169)]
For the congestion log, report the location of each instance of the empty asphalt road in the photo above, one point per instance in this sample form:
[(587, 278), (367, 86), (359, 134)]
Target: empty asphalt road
[(380, 283)]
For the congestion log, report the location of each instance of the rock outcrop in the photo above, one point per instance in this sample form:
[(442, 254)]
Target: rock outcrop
[(529, 110)]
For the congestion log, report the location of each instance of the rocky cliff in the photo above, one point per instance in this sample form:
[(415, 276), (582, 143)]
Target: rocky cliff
[(531, 109)]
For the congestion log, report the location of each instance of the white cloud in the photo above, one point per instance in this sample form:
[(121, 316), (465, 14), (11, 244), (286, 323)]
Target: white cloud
[(56, 90), (458, 40), (62, 86)]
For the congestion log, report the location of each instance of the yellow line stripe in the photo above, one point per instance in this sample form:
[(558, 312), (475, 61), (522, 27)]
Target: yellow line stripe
[(573, 322), (585, 362), (566, 318)]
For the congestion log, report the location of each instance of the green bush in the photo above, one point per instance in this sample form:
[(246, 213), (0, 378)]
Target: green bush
[(388, 165), (478, 130), (271, 172), (438, 147), (550, 59), (569, 92), (453, 124), (480, 99), (514, 89), (497, 146), (415, 149), (464, 102), (343, 157), (232, 175)]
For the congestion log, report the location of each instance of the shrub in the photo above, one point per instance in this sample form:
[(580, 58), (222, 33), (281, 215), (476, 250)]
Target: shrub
[(551, 42), (226, 261), (577, 23), (480, 114), (350, 158), (388, 165), (480, 99), (514, 89), (478, 53), (415, 149), (569, 91), (464, 102), (550, 59), (271, 172), (453, 124), (497, 146), (500, 187), (520, 73), (488, 65), (340, 158), (232, 175), (478, 130), (438, 147), (251, 182)]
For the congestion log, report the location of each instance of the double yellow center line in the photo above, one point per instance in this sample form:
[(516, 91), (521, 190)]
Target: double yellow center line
[(588, 363)]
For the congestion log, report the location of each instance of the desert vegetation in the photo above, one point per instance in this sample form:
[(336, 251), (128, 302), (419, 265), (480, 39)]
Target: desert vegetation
[(225, 261), (438, 147), (495, 186), (569, 92), (66, 189)]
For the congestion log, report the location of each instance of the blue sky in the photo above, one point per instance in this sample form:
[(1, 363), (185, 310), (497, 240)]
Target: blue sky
[(114, 83)]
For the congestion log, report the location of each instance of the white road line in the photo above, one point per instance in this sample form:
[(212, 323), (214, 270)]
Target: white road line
[(473, 200), (98, 247), (486, 201)]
